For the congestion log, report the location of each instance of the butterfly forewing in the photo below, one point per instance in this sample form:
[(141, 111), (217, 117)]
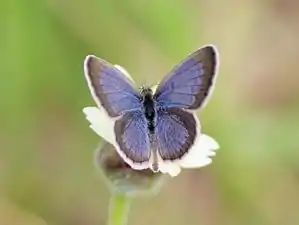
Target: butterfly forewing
[(176, 131), (189, 84), (110, 88)]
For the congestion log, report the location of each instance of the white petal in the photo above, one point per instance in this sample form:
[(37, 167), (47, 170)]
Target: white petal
[(199, 155), (124, 71), (100, 123), (173, 169)]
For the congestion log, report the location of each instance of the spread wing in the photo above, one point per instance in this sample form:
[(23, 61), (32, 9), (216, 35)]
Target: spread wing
[(189, 84), (110, 88), (176, 132), (133, 140)]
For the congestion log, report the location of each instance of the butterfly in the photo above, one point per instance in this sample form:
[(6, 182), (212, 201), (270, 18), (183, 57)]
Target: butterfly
[(154, 126)]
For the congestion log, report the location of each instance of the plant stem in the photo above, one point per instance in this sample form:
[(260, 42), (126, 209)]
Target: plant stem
[(119, 209)]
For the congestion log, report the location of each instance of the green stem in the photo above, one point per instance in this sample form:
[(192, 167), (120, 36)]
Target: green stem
[(119, 209)]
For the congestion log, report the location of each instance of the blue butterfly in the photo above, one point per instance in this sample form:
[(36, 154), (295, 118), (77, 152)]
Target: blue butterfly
[(154, 126)]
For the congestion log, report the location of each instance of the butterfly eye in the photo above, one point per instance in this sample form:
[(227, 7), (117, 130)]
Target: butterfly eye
[(141, 90)]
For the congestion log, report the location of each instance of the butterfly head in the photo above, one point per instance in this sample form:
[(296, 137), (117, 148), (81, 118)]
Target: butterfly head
[(145, 91)]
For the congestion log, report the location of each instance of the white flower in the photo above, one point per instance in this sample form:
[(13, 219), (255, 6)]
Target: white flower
[(198, 156)]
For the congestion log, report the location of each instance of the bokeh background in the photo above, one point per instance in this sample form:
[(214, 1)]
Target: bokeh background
[(47, 175)]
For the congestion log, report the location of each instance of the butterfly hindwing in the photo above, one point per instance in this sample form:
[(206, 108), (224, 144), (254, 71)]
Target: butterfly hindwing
[(189, 84), (132, 138), (110, 88), (176, 131)]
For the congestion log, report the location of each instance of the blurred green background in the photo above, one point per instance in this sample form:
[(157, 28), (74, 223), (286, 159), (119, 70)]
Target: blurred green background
[(47, 175)]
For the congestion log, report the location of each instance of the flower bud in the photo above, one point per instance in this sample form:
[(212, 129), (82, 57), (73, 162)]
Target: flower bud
[(121, 177)]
